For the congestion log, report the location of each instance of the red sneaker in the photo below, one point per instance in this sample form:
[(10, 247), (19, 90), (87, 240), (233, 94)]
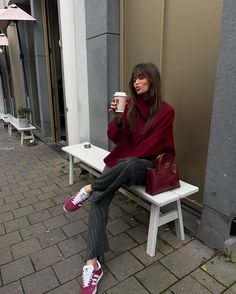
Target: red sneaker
[(90, 278), (76, 201)]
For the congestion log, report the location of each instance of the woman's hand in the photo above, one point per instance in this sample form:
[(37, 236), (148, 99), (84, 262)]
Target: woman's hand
[(113, 108)]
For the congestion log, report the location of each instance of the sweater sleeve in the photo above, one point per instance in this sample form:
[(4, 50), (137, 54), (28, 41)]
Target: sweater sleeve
[(114, 132)]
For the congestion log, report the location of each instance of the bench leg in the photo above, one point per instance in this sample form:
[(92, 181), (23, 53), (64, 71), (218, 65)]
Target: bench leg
[(71, 170), (32, 135), (9, 126), (179, 226), (152, 230), (21, 138)]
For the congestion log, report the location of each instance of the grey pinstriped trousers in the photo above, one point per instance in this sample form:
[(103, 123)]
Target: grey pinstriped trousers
[(127, 171)]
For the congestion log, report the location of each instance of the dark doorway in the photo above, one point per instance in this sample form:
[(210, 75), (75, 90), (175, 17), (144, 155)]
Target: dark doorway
[(55, 71)]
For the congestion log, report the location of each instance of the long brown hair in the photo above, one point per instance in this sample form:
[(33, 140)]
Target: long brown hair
[(152, 74)]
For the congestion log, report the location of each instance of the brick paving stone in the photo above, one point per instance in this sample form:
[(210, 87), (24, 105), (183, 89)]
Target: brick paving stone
[(44, 204), (23, 211), (170, 238), (117, 226), (10, 187), (33, 283), (41, 179), (8, 207), (178, 264), (207, 281), (62, 198), (56, 210), (130, 221), (28, 201), (189, 285), (197, 251), (140, 253), (36, 185), (32, 231), (17, 224), (5, 255), (55, 222), (158, 282), (25, 248), (223, 271), (66, 190), (9, 239), (72, 246), (39, 216), (163, 246), (1, 201), (116, 212), (22, 182), (129, 286), (5, 217), (124, 266), (20, 189), (46, 195), (2, 230), (46, 257), (14, 198), (121, 243), (75, 228), (13, 288), (79, 214), (69, 268), (32, 193), (16, 270), (50, 238), (72, 287), (5, 194), (139, 233), (231, 290), (49, 188)]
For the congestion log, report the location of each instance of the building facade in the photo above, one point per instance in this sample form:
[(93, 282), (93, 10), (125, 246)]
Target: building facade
[(78, 53)]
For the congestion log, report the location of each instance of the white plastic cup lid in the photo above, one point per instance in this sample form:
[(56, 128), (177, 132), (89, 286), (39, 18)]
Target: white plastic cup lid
[(121, 94)]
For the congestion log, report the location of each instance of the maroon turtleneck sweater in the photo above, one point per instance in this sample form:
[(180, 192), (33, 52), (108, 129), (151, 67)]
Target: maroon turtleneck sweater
[(159, 138)]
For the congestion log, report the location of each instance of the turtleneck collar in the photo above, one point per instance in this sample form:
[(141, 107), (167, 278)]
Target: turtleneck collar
[(143, 107)]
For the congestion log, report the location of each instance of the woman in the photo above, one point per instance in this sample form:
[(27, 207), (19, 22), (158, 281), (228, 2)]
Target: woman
[(143, 131)]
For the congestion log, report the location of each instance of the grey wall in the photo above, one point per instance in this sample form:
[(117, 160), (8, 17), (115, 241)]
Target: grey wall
[(41, 73), (103, 37), (220, 183)]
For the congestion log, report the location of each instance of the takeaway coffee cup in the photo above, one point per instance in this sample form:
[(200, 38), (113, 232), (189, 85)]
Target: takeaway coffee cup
[(120, 98)]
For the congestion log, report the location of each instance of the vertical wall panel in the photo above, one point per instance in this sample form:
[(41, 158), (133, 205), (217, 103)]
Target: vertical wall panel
[(142, 33), (190, 52), (187, 41)]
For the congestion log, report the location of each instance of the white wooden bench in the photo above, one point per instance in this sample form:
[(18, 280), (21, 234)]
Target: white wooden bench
[(13, 122), (91, 159)]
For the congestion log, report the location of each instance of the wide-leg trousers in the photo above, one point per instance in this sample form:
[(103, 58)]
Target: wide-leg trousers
[(126, 172)]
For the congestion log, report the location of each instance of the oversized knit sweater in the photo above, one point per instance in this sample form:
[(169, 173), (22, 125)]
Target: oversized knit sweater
[(158, 139)]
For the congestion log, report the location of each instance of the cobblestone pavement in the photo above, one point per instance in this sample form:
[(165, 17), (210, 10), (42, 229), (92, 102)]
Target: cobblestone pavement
[(42, 248)]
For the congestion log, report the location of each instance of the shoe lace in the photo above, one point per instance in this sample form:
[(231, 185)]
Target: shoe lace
[(87, 275), (79, 197)]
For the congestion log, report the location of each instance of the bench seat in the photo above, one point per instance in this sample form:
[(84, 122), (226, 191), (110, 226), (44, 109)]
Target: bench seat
[(13, 122), (91, 159)]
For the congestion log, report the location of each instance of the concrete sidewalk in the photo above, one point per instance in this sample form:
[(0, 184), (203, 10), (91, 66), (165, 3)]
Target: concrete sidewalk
[(42, 248)]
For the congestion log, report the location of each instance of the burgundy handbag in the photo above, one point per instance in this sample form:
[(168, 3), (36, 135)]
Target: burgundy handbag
[(163, 176)]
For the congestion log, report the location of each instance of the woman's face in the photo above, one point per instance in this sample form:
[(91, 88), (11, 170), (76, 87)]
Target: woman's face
[(141, 84)]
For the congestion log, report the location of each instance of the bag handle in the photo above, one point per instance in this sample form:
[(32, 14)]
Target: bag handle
[(159, 160)]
